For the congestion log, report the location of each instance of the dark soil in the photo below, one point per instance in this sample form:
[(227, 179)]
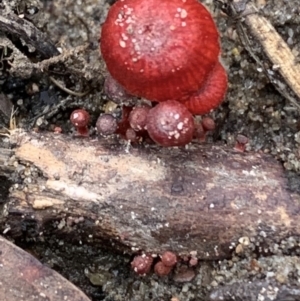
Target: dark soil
[(253, 108)]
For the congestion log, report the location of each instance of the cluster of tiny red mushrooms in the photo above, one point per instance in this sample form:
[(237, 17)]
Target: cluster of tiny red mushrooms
[(165, 51), (142, 264)]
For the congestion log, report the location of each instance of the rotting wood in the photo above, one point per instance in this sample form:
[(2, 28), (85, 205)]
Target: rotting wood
[(201, 199)]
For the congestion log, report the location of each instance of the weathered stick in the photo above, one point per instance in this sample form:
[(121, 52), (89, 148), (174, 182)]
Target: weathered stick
[(273, 45), (203, 199), (23, 29)]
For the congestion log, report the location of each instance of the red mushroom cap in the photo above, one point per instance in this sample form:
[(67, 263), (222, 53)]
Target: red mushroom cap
[(138, 117), (208, 124), (141, 264), (80, 118), (169, 258), (106, 124), (162, 270), (115, 91), (170, 124), (211, 93), (159, 49)]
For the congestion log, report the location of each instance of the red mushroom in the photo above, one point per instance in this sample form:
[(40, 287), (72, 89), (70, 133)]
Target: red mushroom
[(241, 143), (160, 49), (202, 129), (211, 93), (138, 117), (169, 258), (141, 264), (106, 124), (170, 124), (116, 92), (80, 119), (161, 269)]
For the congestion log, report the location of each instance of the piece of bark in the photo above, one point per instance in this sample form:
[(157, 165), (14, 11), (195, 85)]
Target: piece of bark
[(24, 278), (203, 198)]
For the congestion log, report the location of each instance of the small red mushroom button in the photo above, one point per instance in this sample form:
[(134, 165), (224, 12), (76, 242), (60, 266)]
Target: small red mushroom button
[(80, 118)]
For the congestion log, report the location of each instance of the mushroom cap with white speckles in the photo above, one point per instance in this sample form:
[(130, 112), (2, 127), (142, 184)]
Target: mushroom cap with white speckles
[(170, 124), (159, 49)]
